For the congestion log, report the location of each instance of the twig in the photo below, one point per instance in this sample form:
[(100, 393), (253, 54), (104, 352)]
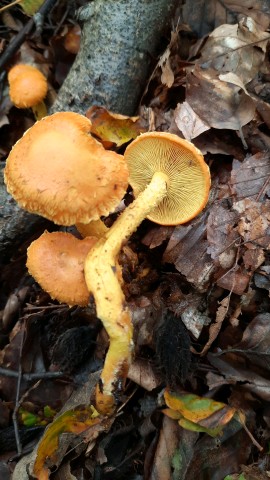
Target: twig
[(9, 5), (17, 41), (30, 376), (15, 411)]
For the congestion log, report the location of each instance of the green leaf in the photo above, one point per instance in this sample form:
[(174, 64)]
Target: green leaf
[(74, 421), (112, 128), (30, 7), (195, 408), (195, 427), (232, 477)]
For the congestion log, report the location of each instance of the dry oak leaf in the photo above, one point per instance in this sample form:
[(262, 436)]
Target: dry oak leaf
[(190, 124), (113, 128), (259, 10), (167, 76), (250, 178), (187, 250), (255, 343), (216, 326), (219, 104), (221, 235), (231, 374), (231, 49), (254, 224)]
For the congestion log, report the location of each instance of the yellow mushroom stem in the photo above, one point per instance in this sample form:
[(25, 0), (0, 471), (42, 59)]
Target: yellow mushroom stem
[(94, 228), (102, 279)]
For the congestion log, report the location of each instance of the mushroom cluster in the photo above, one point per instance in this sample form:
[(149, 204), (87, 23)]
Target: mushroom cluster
[(62, 173)]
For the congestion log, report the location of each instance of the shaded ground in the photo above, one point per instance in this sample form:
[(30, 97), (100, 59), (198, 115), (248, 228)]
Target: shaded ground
[(199, 293)]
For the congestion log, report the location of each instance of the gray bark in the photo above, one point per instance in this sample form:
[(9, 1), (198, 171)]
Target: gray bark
[(15, 224), (120, 40)]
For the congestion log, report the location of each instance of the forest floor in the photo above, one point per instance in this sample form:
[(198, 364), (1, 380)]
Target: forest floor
[(196, 399)]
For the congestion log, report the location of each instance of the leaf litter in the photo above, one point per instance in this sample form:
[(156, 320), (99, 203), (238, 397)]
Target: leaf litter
[(200, 288)]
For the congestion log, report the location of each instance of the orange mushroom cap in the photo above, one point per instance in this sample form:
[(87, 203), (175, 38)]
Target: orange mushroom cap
[(56, 261), (27, 85), (188, 175), (59, 171)]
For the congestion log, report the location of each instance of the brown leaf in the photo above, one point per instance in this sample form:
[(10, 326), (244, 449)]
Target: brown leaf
[(142, 373), (230, 49), (156, 236), (166, 447), (232, 374), (235, 280), (216, 327), (188, 121), (250, 177), (254, 224), (233, 445), (167, 76), (221, 235), (187, 250), (252, 472), (253, 258), (255, 344), (219, 104), (113, 128), (259, 10), (220, 141)]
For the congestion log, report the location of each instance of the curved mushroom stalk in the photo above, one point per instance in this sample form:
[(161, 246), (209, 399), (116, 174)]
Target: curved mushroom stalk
[(102, 280), (168, 161)]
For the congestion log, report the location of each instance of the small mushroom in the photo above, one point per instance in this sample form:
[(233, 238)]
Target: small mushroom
[(58, 170), (56, 261), (172, 182), (27, 86)]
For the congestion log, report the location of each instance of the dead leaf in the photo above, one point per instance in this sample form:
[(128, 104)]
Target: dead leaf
[(255, 343), (222, 235), (259, 10), (167, 76), (187, 250), (196, 413), (230, 49), (72, 421), (156, 236), (232, 374), (253, 258), (249, 179), (220, 141), (234, 79), (167, 444), (194, 320), (235, 280), (188, 121), (113, 128), (216, 326), (219, 104), (254, 224), (142, 373)]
